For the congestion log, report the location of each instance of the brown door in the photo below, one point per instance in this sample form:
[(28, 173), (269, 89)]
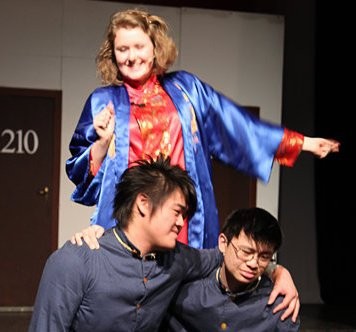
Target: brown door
[(29, 189)]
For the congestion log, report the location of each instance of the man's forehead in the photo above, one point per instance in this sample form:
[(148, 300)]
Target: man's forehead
[(243, 239)]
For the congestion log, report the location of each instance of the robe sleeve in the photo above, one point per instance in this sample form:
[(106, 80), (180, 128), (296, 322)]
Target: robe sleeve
[(290, 148), (88, 186)]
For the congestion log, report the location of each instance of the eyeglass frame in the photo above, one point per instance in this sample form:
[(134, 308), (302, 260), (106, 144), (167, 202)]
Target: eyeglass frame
[(251, 255)]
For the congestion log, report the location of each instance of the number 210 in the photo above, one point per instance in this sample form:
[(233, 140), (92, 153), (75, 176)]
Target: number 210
[(19, 142)]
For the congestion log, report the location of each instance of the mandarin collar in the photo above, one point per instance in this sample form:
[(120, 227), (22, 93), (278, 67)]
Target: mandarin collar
[(129, 246)]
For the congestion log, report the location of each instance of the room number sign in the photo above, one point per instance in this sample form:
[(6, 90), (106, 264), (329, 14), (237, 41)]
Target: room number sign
[(19, 141)]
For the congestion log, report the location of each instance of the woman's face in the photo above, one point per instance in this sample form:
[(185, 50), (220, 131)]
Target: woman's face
[(134, 53)]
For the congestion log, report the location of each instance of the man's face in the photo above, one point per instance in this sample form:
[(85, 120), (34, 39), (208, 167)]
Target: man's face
[(245, 260), (165, 224)]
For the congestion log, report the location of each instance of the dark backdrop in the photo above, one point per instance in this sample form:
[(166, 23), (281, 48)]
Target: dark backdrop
[(334, 180), (317, 99)]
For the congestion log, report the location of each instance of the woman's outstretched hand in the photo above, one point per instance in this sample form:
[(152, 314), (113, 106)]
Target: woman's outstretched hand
[(320, 147)]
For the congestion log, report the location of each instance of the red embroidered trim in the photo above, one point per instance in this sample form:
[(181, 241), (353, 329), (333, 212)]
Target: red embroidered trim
[(289, 148)]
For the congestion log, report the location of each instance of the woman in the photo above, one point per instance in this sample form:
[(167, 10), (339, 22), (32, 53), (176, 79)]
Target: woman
[(142, 111)]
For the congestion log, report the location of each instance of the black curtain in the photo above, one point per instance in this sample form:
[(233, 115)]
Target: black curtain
[(334, 176)]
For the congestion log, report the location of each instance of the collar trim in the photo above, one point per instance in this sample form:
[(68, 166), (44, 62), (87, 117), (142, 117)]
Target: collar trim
[(135, 252)]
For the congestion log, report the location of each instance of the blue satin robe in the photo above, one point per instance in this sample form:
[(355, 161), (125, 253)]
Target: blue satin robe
[(212, 126)]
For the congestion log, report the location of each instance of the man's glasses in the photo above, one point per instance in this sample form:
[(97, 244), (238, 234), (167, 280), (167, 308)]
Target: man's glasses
[(246, 255)]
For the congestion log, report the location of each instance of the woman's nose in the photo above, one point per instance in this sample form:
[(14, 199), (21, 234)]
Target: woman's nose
[(131, 55)]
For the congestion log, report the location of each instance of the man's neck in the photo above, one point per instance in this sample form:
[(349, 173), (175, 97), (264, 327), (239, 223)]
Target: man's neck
[(137, 237), (229, 283)]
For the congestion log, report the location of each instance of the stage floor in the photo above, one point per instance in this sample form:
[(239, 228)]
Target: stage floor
[(314, 318)]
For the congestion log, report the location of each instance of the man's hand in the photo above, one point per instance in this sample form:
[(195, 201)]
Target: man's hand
[(284, 285), (90, 235)]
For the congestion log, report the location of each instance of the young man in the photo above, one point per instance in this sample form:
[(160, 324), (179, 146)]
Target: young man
[(234, 297), (129, 282)]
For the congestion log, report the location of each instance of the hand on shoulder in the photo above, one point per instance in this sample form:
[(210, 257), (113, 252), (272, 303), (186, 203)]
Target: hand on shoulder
[(90, 235)]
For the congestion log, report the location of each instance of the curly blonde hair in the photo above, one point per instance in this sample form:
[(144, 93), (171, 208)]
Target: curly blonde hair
[(165, 50)]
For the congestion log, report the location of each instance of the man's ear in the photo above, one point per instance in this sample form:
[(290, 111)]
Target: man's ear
[(223, 242), (143, 205)]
